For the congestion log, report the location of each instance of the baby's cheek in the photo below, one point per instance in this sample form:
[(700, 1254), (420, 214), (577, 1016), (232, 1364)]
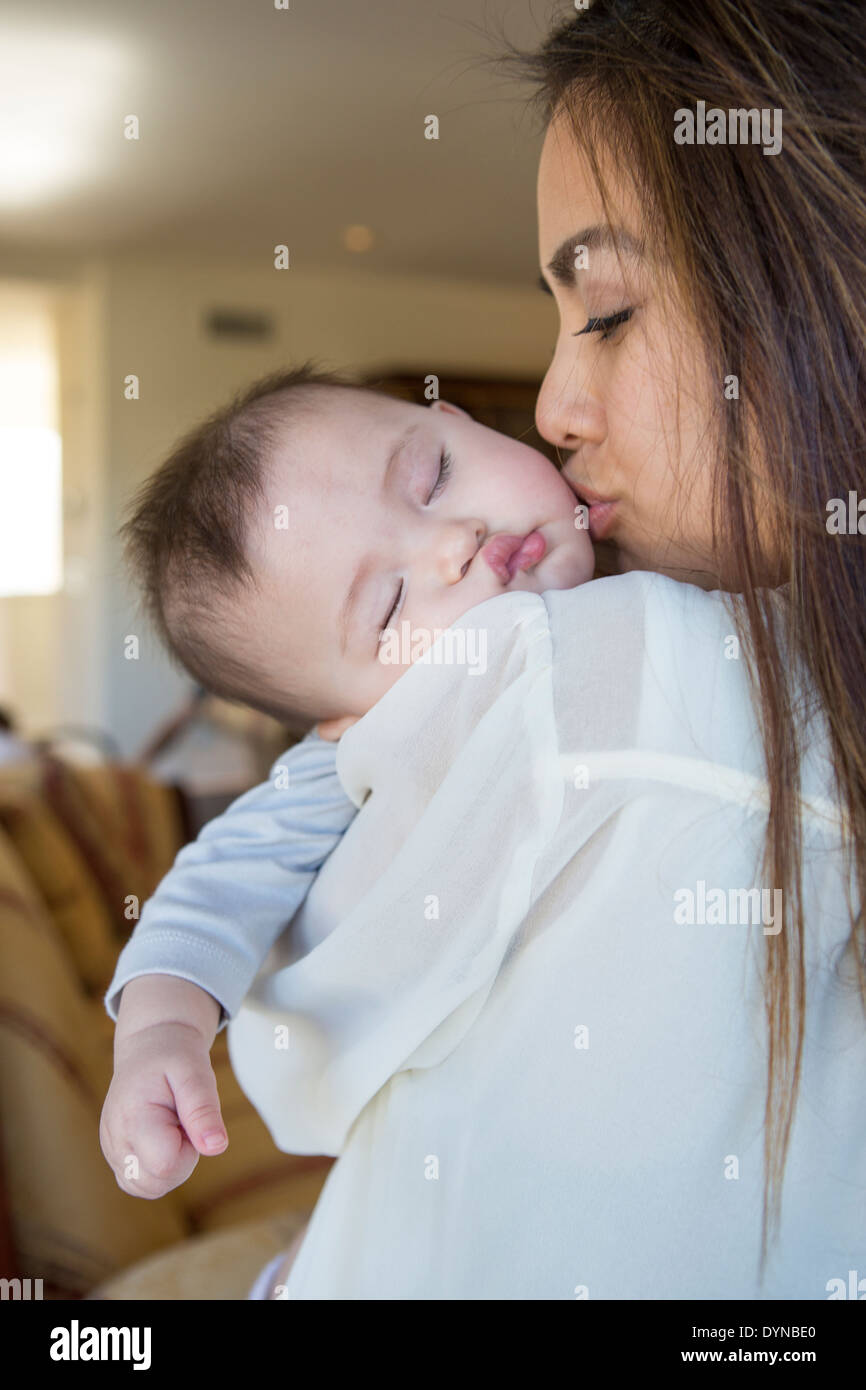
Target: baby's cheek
[(527, 478), (586, 553), (570, 564), (545, 487), (393, 659)]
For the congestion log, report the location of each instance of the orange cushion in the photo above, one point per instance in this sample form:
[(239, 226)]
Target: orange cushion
[(114, 825), (72, 1224), (62, 879)]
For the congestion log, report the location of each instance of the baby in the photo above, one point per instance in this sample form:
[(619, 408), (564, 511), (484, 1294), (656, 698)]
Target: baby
[(279, 548)]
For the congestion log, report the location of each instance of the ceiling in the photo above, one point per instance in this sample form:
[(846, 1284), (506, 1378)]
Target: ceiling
[(261, 126)]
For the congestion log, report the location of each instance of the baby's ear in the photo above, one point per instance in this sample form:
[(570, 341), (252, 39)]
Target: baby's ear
[(452, 409), (333, 729)]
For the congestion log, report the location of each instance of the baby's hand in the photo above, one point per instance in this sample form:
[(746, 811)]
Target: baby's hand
[(161, 1107)]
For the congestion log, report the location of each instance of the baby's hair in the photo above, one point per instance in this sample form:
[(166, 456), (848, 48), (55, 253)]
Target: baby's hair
[(185, 540)]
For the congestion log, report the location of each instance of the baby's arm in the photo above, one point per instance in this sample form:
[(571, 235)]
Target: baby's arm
[(192, 957)]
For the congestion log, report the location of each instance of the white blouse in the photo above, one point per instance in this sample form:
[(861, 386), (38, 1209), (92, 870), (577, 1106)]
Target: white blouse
[(522, 1002)]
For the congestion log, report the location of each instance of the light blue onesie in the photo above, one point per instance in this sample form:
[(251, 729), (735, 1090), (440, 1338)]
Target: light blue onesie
[(233, 890)]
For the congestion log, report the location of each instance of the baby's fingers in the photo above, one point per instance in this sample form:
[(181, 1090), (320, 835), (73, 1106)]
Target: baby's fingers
[(157, 1155), (198, 1109)]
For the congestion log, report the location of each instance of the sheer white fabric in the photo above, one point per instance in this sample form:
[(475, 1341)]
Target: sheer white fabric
[(541, 1078)]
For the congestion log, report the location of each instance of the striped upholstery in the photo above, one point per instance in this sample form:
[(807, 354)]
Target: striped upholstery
[(61, 878)]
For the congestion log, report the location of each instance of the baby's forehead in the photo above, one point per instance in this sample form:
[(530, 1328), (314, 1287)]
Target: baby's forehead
[(350, 405), (334, 425)]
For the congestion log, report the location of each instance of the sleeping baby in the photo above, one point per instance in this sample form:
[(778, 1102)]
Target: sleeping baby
[(297, 552)]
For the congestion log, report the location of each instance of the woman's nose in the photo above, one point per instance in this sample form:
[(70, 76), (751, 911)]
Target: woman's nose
[(456, 546), (566, 413)]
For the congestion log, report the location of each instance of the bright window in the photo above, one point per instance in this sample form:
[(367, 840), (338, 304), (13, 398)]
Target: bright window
[(31, 542)]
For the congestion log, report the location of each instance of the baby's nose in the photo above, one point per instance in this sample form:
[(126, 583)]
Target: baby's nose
[(458, 547)]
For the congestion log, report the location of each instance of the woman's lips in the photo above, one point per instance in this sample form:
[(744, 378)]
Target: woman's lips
[(601, 517), (508, 555), (601, 512)]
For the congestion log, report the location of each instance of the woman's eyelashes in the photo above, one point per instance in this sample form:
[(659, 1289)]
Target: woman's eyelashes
[(605, 326), (445, 465)]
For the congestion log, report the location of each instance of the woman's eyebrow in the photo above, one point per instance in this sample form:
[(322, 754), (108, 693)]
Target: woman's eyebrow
[(599, 237)]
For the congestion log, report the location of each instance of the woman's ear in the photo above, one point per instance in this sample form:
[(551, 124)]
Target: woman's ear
[(452, 409)]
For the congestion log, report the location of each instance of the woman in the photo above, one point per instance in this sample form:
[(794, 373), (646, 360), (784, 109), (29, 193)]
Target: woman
[(707, 382), (711, 428)]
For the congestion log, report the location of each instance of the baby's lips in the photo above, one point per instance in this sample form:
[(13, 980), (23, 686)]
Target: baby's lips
[(498, 551), (507, 554), (532, 550)]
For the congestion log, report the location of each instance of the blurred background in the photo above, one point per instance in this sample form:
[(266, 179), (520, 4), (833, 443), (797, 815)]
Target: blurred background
[(151, 159)]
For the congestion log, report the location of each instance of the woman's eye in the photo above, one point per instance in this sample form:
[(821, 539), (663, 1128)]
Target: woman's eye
[(605, 326), (445, 463)]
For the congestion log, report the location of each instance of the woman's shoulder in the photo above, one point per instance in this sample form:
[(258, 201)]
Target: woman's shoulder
[(638, 592), (657, 663), (650, 613)]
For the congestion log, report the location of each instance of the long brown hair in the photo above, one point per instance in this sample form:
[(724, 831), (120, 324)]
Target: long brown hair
[(768, 249)]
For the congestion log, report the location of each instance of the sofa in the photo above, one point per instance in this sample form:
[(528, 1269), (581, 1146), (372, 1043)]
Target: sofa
[(81, 848)]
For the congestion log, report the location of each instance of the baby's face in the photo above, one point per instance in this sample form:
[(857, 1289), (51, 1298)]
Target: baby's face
[(397, 514)]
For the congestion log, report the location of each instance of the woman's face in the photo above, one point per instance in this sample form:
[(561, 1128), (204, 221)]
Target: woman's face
[(631, 408)]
